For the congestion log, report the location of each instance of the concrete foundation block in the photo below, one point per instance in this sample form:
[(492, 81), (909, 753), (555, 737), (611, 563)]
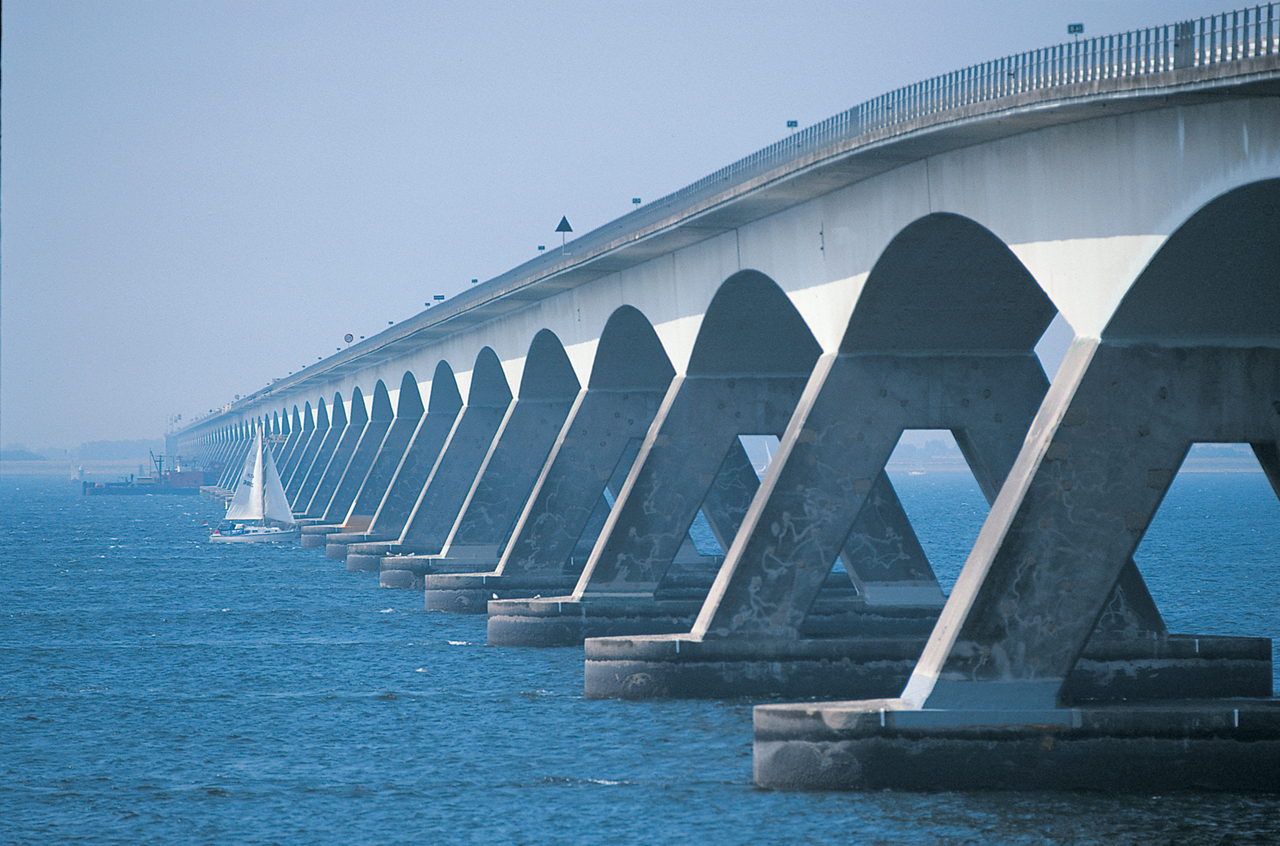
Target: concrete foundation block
[(1229, 745), (359, 563), (564, 621), (470, 593), (874, 666), (400, 579)]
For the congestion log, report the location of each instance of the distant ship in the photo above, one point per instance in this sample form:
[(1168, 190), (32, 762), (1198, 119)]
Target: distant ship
[(161, 481)]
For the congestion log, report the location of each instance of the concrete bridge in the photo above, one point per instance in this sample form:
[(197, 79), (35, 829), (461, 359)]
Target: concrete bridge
[(539, 447)]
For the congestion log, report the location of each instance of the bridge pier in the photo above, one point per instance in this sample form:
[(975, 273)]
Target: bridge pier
[(976, 375), (474, 538), (1190, 355), (748, 367), (312, 517), (437, 501), (408, 479), (593, 454)]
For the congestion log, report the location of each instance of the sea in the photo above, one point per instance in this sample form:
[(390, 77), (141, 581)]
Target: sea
[(155, 688)]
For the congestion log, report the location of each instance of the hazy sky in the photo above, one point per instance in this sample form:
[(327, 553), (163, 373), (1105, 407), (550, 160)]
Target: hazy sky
[(200, 197)]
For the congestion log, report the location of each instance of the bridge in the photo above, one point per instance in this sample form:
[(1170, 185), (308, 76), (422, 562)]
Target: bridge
[(539, 447)]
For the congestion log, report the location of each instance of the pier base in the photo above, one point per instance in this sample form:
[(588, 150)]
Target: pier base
[(877, 660), (316, 535), (564, 621), (672, 609), (1231, 745), (470, 593), (407, 572)]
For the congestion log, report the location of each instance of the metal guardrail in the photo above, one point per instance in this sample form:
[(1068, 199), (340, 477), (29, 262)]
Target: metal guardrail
[(1217, 39)]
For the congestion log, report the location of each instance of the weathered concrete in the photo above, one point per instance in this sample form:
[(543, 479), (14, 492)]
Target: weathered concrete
[(339, 460), (965, 363), (365, 550), (1085, 183), (548, 389), (875, 665), (324, 453), (1192, 354), (319, 433), (629, 377), (445, 489), (308, 427), (749, 366), (409, 411), (748, 370), (371, 442), (350, 479), (1155, 747), (296, 437)]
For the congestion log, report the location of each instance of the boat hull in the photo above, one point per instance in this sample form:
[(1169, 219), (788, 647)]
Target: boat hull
[(254, 535)]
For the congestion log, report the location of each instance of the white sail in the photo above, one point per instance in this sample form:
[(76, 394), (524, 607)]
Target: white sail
[(246, 502), (259, 494), (275, 505)]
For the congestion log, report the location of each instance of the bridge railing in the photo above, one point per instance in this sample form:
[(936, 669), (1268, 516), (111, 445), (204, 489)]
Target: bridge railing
[(1227, 37), (1217, 39)]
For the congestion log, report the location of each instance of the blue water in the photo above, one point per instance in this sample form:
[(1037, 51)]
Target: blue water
[(158, 689)]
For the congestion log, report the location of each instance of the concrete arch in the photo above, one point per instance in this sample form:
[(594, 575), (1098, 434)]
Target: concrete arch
[(460, 458), (329, 443), (547, 375), (369, 436), (427, 438), (484, 479), (942, 336), (409, 398), (747, 309), (1216, 280), (398, 436), (750, 361), (339, 461), (630, 356), (319, 432), (947, 283), (292, 428), (305, 426), (488, 388), (566, 508), (444, 390), (1191, 354)]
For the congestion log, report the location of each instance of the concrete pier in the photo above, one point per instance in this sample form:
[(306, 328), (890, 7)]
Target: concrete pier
[(548, 390), (339, 459), (592, 455), (441, 496), (874, 665), (319, 432), (381, 418), (332, 436), (444, 410), (888, 269), (395, 447), (1154, 747), (748, 367), (1190, 355)]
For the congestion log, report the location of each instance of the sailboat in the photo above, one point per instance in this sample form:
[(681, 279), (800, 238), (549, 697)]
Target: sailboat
[(258, 497)]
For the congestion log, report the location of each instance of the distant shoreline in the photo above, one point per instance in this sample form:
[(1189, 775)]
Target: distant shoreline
[(93, 470)]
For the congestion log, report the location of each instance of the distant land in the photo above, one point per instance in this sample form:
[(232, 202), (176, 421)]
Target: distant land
[(937, 454), (96, 460)]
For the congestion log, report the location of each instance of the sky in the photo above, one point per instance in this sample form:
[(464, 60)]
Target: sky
[(199, 197)]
